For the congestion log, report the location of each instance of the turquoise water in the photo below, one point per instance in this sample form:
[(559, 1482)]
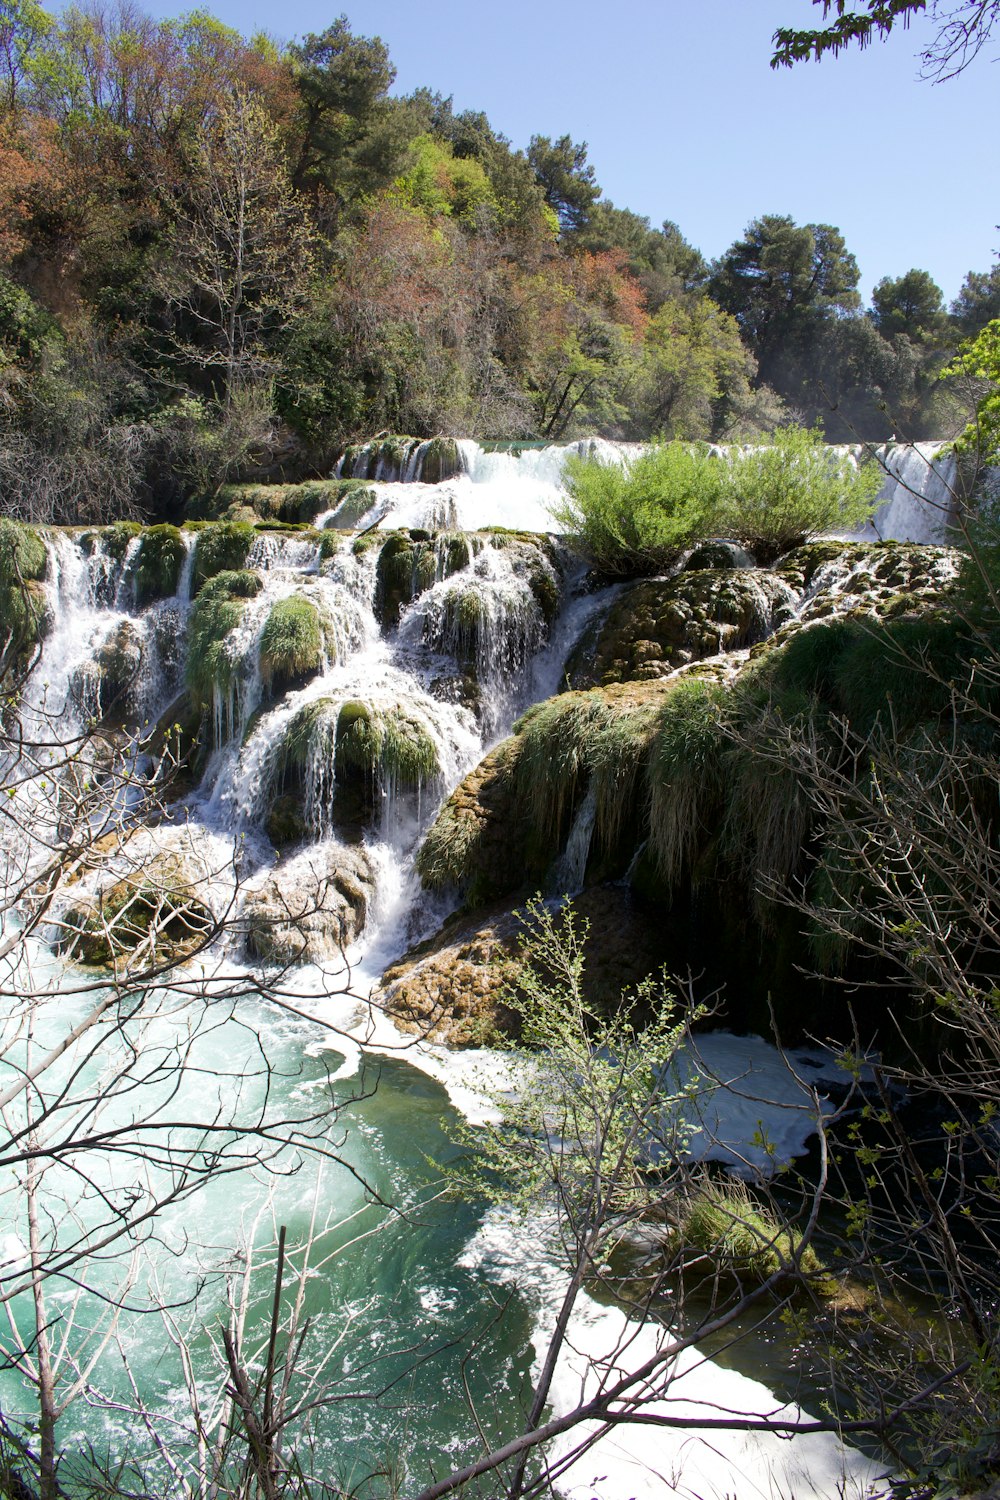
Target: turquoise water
[(406, 1349)]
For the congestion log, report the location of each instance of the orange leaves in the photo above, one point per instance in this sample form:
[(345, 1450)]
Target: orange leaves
[(603, 279)]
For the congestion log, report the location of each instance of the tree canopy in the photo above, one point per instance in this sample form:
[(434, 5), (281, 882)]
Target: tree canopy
[(963, 29)]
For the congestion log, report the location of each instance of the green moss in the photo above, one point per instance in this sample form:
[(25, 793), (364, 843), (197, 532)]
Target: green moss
[(507, 822), (24, 615), (161, 557), (116, 538), (685, 777), (217, 610), (376, 749), (477, 843), (395, 579), (353, 500), (221, 548), (440, 460), (291, 643), (742, 1237), (392, 748)]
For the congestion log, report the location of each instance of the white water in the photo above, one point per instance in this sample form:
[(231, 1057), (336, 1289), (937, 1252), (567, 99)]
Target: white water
[(412, 671)]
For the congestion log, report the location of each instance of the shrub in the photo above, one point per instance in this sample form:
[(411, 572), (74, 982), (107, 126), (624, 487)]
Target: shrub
[(161, 557), (221, 548), (23, 608), (776, 496), (217, 610), (291, 643), (636, 518)]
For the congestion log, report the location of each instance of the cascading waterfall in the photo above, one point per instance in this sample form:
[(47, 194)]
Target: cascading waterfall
[(392, 713)]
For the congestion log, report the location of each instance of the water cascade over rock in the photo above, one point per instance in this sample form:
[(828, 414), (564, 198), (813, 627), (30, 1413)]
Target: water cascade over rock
[(341, 698)]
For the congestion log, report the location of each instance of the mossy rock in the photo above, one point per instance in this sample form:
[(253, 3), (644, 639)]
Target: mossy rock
[(311, 907), (161, 558), (25, 618), (719, 554), (117, 538), (216, 612), (291, 644), (354, 500), (375, 750), (105, 684), (504, 827), (220, 548), (154, 917), (439, 459), (286, 821), (23, 554), (457, 987), (658, 625), (389, 747), (411, 562)]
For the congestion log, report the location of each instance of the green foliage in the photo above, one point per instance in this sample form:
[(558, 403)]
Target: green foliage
[(161, 557), (963, 29), (221, 547), (291, 643), (742, 1237), (910, 304), (979, 361), (26, 330), (585, 1134), (794, 487), (637, 519), (23, 608), (217, 610)]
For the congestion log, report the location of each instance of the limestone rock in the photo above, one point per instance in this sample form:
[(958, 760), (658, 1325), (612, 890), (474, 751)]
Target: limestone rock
[(456, 988), (310, 907), (154, 915), (661, 624)]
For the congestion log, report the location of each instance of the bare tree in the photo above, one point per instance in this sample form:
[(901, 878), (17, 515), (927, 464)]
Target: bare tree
[(240, 253)]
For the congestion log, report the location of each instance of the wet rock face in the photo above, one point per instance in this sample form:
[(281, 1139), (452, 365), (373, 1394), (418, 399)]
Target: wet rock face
[(310, 907), (662, 624), (105, 686), (156, 914), (883, 580), (458, 988), (721, 603)]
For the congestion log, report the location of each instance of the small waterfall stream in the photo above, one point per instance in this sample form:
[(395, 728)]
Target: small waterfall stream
[(419, 673)]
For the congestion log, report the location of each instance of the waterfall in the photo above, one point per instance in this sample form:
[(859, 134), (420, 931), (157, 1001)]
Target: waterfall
[(345, 765)]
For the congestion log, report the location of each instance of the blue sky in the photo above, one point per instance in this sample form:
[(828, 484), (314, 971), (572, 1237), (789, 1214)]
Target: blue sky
[(686, 121)]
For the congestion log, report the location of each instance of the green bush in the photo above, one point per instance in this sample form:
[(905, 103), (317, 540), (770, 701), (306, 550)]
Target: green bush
[(161, 557), (776, 496), (217, 610), (221, 548), (291, 643), (635, 519)]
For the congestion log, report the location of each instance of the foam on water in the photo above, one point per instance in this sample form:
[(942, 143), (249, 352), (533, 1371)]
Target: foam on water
[(517, 659)]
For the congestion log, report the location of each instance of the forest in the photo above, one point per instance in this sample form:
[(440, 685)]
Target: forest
[(223, 260)]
